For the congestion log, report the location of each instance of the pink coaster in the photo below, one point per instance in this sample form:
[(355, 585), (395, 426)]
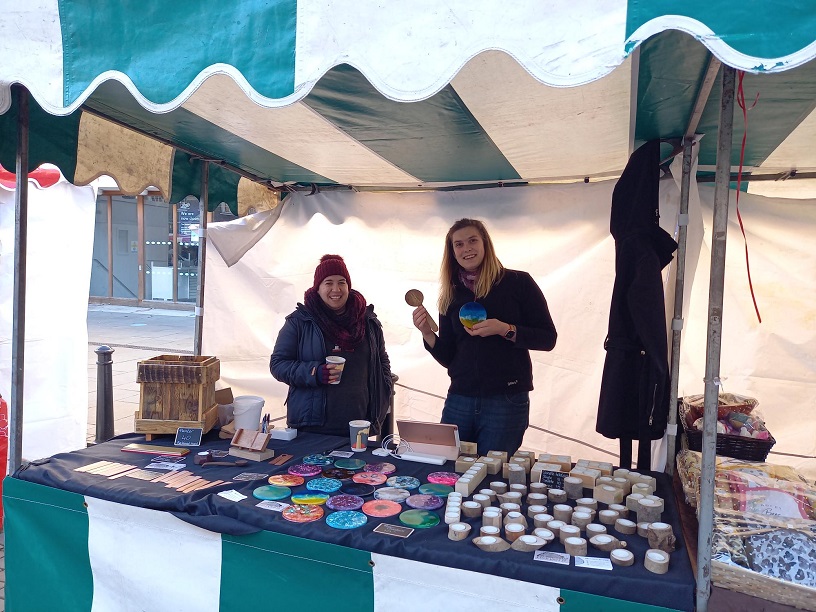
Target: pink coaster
[(445, 478), (370, 478)]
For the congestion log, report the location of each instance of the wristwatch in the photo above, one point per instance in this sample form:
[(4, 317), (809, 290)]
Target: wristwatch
[(510, 333)]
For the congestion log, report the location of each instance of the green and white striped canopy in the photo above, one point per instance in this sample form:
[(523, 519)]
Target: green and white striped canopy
[(367, 93)]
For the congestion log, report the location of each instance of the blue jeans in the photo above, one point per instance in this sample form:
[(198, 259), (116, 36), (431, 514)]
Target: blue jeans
[(497, 422)]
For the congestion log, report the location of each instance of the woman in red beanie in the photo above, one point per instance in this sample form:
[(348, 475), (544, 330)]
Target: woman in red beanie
[(333, 320)]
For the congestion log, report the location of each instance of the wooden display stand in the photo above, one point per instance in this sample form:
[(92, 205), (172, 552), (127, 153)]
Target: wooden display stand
[(251, 444), (176, 391)]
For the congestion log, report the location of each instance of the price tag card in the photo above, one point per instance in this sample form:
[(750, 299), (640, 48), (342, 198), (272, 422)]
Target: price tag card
[(249, 476), (165, 465), (272, 505), (344, 454), (551, 557), (593, 563), (232, 495), (188, 436), (397, 531)]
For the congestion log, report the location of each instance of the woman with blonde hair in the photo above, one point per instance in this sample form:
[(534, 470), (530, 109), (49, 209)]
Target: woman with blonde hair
[(489, 363)]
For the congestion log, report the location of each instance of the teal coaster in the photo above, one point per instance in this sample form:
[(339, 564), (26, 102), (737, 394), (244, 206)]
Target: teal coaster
[(324, 485), (440, 490), (346, 519), (350, 464), (403, 482), (318, 460), (272, 492), (419, 519)]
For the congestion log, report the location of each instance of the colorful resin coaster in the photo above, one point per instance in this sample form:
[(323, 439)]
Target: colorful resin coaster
[(381, 468), (445, 478), (381, 508), (347, 519), (472, 313), (425, 502), (392, 494), (311, 499), (339, 474), (345, 502), (349, 464), (419, 519), (302, 514), (369, 478), (357, 488), (325, 485), (318, 460), (403, 482), (302, 469), (271, 492), (440, 490), (286, 480)]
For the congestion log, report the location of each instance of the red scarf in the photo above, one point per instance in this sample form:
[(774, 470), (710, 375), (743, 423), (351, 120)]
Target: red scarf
[(346, 329)]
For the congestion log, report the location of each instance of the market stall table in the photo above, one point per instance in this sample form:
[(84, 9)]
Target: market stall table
[(77, 541)]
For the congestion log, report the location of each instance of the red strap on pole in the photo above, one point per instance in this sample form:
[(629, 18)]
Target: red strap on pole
[(745, 109)]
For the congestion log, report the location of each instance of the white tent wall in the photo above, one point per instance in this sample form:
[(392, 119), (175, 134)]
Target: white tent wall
[(560, 234), (60, 243), (774, 361)]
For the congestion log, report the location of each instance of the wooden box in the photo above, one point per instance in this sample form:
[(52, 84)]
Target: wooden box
[(176, 391)]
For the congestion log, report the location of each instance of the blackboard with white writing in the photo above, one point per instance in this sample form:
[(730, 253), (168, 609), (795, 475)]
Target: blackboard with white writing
[(188, 436)]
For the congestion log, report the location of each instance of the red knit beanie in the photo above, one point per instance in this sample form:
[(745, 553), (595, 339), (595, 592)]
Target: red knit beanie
[(330, 265)]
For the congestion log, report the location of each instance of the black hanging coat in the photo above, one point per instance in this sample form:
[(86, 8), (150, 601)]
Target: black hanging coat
[(634, 399)]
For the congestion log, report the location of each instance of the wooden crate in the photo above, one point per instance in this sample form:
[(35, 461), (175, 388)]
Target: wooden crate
[(176, 391)]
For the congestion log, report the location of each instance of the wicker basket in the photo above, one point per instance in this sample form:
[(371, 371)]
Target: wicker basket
[(742, 580), (738, 447)]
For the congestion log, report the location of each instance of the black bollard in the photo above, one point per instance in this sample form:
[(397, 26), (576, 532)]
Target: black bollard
[(104, 394)]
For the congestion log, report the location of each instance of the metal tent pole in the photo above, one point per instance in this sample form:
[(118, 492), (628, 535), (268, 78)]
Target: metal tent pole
[(679, 285), (15, 456), (204, 207), (719, 232)]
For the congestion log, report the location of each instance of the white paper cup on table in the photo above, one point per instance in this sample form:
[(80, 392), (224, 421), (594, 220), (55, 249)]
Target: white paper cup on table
[(247, 412), (339, 363), (358, 435)]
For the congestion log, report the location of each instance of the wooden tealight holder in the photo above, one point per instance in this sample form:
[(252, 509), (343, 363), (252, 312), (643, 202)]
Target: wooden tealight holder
[(574, 487), (632, 501), (463, 464), (656, 561), (542, 519), (500, 455), (516, 474), (528, 543), (563, 461), (622, 557), (648, 511), (587, 475), (176, 391), (494, 464), (606, 542), (524, 462), (661, 536), (575, 546), (625, 526), (642, 488), (491, 544), (251, 444), (471, 479), (540, 466), (604, 467), (607, 494), (568, 531)]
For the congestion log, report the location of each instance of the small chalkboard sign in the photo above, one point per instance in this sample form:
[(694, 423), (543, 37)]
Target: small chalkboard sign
[(188, 436), (553, 480)]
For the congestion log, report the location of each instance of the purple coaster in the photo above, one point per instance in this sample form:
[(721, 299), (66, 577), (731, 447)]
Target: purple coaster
[(380, 468), (303, 469), (345, 502), (425, 502)]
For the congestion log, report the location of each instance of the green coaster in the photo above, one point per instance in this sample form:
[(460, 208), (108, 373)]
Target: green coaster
[(419, 519), (439, 490), (272, 492), (349, 464)]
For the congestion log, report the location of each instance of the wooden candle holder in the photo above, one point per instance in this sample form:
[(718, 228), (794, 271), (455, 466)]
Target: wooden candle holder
[(656, 561)]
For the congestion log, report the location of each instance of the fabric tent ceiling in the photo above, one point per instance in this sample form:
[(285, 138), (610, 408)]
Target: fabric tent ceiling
[(282, 97)]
